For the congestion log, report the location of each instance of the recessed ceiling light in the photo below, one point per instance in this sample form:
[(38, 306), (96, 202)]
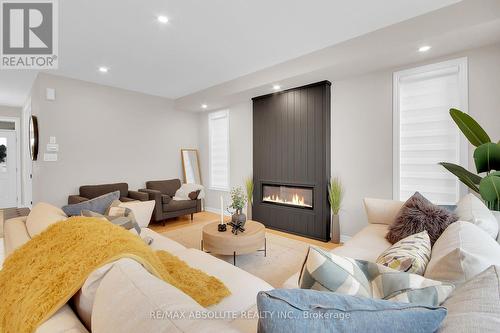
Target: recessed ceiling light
[(162, 19), (103, 69), (204, 106), (276, 87), (424, 48)]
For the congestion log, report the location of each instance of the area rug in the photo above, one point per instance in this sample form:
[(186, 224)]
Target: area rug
[(284, 256)]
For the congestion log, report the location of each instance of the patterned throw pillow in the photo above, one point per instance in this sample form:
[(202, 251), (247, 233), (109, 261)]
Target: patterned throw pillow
[(411, 254), (328, 272)]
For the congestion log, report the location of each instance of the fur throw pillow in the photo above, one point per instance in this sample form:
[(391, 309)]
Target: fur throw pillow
[(419, 214)]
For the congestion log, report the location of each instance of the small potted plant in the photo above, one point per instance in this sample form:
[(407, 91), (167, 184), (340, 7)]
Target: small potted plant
[(239, 200), (249, 188), (335, 196)]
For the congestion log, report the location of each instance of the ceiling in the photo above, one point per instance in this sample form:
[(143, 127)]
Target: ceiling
[(205, 43), (449, 31)]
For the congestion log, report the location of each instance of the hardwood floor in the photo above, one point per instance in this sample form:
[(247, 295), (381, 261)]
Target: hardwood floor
[(206, 217)]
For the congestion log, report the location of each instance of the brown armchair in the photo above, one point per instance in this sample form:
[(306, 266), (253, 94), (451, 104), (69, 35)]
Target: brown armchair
[(163, 192), (88, 192)]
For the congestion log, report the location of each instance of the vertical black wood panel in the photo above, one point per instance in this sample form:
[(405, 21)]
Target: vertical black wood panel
[(292, 146)]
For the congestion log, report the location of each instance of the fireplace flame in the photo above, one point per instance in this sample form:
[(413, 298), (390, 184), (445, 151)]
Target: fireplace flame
[(296, 200)]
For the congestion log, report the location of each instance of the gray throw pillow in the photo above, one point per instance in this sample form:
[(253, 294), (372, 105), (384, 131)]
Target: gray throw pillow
[(475, 305), (419, 214), (127, 221), (296, 310), (98, 205)]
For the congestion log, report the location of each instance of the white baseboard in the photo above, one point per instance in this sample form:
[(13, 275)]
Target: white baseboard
[(344, 238), (216, 211)]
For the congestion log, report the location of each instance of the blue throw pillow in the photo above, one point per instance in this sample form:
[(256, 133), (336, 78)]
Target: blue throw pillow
[(451, 208), (300, 310), (99, 204)]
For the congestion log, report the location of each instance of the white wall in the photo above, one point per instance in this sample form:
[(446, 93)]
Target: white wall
[(484, 90), (240, 122), (9, 111), (106, 135), (362, 130), (362, 143)]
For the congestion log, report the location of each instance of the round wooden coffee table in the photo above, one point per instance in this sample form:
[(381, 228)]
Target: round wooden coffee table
[(226, 243)]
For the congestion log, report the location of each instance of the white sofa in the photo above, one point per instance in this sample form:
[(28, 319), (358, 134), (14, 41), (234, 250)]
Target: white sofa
[(367, 244), (466, 254), (370, 242), (243, 286)]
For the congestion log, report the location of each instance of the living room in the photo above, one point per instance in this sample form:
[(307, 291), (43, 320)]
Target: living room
[(251, 160)]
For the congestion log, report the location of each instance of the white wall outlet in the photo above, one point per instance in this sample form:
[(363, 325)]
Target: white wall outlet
[(52, 139), (50, 94), (52, 147), (50, 157)]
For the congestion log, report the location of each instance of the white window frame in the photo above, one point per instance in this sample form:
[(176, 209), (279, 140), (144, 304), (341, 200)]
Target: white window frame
[(214, 115), (464, 101)]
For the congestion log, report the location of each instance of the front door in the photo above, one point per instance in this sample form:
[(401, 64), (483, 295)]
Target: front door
[(8, 169)]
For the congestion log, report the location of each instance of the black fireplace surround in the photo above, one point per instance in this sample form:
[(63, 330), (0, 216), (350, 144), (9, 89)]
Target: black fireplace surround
[(291, 160)]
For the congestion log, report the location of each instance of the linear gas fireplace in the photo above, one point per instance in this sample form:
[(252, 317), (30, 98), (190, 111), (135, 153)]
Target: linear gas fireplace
[(286, 195)]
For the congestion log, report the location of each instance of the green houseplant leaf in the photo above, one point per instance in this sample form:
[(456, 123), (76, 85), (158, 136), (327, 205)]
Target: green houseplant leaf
[(335, 194), (465, 176), (470, 128), (238, 198), (249, 188), (490, 189), (487, 157)]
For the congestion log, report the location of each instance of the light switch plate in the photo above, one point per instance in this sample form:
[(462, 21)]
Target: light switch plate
[(50, 94), (50, 157), (52, 147)]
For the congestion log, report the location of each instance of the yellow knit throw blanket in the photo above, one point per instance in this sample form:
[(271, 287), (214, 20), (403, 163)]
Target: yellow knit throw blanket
[(42, 275)]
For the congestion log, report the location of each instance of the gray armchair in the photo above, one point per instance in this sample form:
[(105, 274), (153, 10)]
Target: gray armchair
[(163, 192)]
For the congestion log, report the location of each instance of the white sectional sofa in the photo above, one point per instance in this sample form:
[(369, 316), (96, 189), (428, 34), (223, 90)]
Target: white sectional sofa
[(370, 242), (243, 286), (129, 293), (462, 255), (367, 245)]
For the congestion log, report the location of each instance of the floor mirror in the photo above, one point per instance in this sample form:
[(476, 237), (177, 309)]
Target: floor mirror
[(191, 166)]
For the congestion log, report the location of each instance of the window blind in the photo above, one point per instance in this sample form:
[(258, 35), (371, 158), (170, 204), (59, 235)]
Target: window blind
[(218, 124), (426, 133)]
